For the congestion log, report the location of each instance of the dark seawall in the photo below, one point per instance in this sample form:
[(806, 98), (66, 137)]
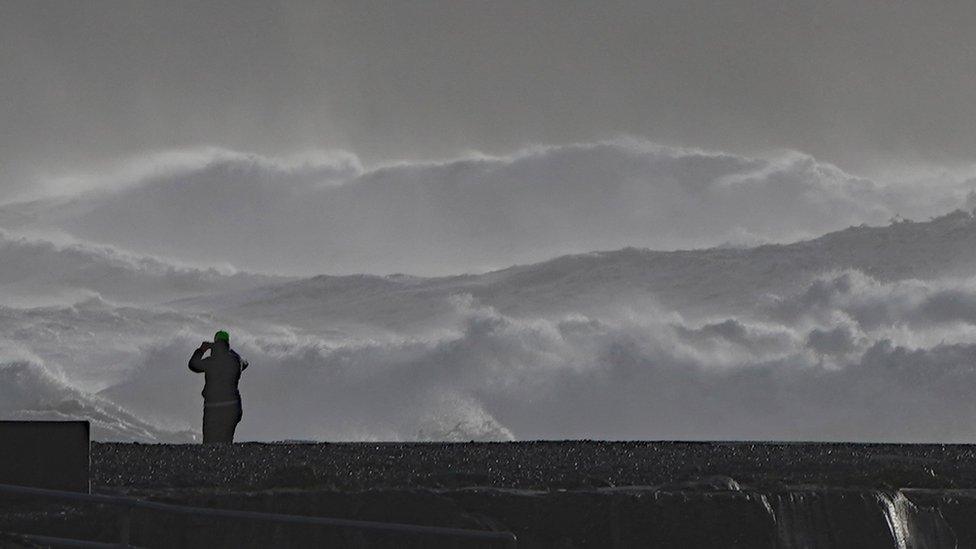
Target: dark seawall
[(551, 494)]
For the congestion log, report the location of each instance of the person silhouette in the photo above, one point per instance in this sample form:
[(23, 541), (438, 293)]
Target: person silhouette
[(222, 409)]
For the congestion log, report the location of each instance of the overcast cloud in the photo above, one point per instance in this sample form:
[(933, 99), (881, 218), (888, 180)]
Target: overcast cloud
[(863, 85)]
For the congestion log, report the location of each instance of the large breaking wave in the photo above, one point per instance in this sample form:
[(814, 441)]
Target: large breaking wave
[(326, 213), (714, 344)]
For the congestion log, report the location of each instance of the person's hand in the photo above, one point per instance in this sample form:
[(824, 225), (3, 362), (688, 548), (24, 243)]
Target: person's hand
[(206, 345)]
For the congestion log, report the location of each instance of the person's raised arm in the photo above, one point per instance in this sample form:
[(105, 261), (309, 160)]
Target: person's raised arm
[(196, 361)]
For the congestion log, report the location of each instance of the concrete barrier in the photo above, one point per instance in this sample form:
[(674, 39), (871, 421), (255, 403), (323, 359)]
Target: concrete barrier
[(45, 454)]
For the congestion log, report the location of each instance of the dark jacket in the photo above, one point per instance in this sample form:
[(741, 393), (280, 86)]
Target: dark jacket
[(222, 370)]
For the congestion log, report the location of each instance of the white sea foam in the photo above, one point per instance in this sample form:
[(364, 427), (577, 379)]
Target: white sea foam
[(328, 213), (815, 340)]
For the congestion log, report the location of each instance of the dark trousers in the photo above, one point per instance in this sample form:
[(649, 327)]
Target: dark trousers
[(219, 422)]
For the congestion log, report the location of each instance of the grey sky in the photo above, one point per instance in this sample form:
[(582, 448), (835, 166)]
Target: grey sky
[(859, 84)]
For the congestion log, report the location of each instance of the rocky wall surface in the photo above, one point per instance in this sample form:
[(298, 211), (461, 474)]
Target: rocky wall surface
[(569, 494)]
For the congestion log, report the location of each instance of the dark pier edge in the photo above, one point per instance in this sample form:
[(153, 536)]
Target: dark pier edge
[(551, 494), (46, 454)]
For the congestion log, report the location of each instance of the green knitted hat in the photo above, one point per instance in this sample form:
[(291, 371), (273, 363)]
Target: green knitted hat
[(222, 335)]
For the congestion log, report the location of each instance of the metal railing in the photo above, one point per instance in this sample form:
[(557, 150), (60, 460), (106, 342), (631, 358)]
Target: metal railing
[(507, 539), (50, 541)]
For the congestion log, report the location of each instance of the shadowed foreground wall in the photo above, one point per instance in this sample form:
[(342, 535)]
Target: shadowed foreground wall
[(551, 494), (45, 454)]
